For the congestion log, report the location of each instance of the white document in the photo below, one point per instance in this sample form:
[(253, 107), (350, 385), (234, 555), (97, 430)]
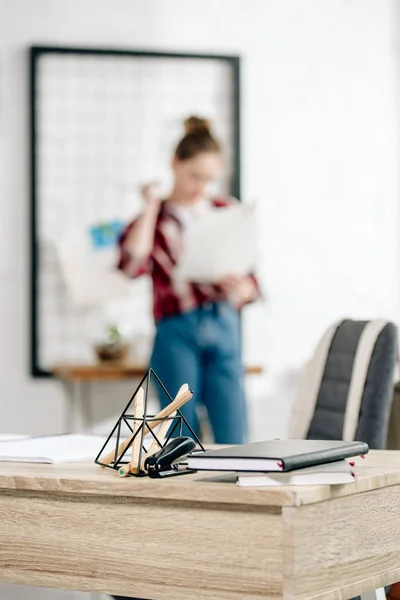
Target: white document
[(56, 449), (52, 449), (222, 242), (8, 437)]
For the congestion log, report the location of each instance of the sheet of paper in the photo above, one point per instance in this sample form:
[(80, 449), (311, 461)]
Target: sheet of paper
[(52, 449), (59, 448), (8, 437), (220, 243)]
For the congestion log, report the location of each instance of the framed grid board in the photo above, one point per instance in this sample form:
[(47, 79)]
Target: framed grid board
[(102, 122)]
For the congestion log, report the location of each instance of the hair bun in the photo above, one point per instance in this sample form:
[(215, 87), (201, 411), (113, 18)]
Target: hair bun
[(195, 125)]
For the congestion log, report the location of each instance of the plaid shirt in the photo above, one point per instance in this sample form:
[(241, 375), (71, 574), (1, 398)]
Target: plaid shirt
[(170, 297)]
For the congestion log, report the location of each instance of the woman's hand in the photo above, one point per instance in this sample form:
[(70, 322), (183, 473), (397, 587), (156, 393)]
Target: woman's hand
[(149, 194), (139, 242), (239, 290)]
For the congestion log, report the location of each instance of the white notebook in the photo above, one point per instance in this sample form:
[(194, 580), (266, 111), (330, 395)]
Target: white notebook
[(52, 449), (339, 472)]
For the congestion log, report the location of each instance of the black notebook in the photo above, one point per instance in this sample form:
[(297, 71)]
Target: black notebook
[(276, 455)]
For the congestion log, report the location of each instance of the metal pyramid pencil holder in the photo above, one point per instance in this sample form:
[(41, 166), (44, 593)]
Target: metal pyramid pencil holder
[(134, 424)]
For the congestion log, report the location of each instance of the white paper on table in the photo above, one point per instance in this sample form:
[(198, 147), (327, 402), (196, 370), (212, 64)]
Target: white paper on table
[(12, 437), (60, 448), (220, 243), (51, 449)]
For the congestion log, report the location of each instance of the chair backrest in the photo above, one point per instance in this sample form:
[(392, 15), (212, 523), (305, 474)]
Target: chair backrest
[(355, 359)]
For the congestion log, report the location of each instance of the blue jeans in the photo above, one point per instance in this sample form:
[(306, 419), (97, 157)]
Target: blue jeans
[(203, 348)]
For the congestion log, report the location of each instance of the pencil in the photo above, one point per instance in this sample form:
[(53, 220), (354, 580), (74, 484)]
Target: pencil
[(155, 446), (162, 432), (179, 401), (168, 411), (138, 410)]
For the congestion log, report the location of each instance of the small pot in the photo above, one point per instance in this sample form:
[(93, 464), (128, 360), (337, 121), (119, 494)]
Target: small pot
[(112, 352)]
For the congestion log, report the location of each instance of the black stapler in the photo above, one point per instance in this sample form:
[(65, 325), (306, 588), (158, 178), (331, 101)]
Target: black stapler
[(164, 462)]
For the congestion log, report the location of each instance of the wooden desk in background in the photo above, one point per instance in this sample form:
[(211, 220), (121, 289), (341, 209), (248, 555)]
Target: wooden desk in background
[(80, 527), (80, 377)]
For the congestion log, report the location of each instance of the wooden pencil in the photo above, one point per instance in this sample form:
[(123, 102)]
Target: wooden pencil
[(161, 434), (179, 401), (138, 410)]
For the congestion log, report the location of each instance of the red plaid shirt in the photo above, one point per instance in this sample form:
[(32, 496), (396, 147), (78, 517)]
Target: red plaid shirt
[(170, 297)]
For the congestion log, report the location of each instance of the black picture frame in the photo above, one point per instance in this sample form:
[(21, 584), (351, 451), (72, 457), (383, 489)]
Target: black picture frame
[(35, 53)]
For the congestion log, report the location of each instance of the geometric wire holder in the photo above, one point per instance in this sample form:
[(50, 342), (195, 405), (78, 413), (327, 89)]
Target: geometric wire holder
[(128, 418)]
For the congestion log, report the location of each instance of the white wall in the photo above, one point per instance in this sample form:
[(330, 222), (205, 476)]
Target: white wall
[(321, 151)]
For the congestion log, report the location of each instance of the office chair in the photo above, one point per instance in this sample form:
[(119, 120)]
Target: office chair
[(355, 362), (328, 420), (347, 388)]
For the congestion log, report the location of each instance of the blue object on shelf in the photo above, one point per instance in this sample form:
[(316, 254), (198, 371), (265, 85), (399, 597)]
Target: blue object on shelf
[(106, 235)]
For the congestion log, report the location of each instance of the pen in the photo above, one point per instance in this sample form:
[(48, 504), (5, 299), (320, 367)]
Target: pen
[(179, 401)]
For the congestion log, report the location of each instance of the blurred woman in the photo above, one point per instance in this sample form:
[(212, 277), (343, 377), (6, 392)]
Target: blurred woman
[(197, 325)]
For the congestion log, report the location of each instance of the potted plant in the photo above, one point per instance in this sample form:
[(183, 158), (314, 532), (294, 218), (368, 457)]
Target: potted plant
[(113, 347)]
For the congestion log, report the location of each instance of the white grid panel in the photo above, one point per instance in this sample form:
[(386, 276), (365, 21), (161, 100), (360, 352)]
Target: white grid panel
[(105, 124)]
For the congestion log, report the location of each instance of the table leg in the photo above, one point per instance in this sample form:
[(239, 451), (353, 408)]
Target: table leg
[(87, 406), (78, 418), (68, 407), (81, 407)]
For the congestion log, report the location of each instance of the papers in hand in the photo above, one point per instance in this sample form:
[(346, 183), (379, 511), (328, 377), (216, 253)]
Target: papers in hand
[(222, 242)]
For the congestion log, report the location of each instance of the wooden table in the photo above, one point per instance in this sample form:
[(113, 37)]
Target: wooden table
[(116, 371), (80, 527), (81, 376), (100, 371)]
